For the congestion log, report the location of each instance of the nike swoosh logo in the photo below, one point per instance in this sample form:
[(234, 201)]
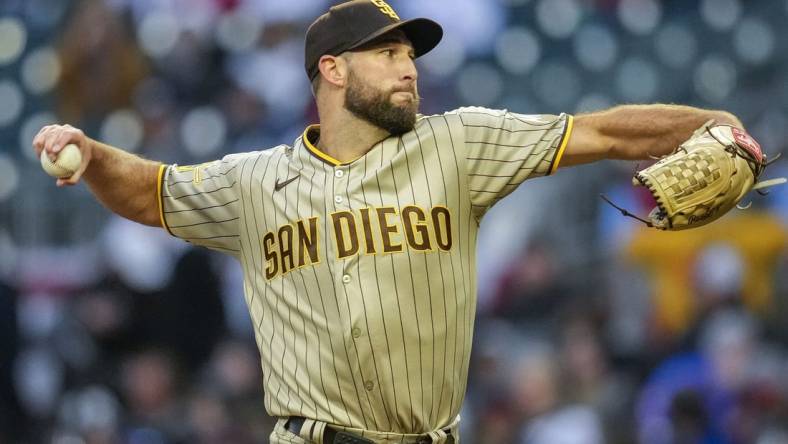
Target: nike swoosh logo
[(279, 185)]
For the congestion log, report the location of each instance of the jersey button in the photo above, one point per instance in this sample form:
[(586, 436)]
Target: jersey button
[(356, 332), (369, 385), (339, 173), (338, 199), (346, 279)]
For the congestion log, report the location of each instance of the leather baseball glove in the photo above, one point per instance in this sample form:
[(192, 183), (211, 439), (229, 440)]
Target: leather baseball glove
[(703, 178)]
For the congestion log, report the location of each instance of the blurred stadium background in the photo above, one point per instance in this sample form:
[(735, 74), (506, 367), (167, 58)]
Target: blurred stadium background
[(590, 328)]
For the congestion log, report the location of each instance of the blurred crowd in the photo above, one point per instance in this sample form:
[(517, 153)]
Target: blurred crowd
[(590, 328)]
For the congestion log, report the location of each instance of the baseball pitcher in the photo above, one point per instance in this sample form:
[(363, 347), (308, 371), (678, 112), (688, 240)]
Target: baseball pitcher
[(358, 239)]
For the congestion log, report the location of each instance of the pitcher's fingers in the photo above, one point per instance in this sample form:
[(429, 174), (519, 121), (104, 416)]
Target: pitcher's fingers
[(39, 141), (70, 181), (64, 138), (49, 140), (66, 182), (68, 134)]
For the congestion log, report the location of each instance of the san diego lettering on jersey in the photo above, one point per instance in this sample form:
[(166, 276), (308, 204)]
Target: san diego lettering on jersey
[(370, 230)]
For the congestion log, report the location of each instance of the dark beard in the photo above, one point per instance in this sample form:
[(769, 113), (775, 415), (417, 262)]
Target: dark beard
[(376, 108)]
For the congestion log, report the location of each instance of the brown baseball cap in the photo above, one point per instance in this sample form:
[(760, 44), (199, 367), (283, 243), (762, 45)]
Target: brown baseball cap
[(355, 23)]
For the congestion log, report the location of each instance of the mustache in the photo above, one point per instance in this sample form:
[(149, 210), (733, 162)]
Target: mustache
[(410, 89)]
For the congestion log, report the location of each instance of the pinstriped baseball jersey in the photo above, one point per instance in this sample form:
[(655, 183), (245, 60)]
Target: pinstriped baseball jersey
[(360, 277)]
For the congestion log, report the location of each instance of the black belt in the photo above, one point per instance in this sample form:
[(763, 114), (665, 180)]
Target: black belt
[(334, 436)]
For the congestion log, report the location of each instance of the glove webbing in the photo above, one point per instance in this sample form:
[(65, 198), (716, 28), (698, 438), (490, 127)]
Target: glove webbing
[(682, 180)]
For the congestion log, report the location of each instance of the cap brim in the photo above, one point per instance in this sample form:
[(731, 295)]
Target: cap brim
[(424, 34)]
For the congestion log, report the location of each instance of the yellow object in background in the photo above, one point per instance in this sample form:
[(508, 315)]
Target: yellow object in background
[(669, 259)]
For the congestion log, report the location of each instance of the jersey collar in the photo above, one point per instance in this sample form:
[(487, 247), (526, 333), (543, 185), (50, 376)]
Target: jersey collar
[(312, 132), (312, 135)]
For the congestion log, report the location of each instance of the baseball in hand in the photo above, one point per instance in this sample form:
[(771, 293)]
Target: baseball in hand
[(67, 163)]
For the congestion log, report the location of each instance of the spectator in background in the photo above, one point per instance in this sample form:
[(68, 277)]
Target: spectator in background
[(97, 38), (689, 420), (226, 406), (493, 415), (189, 316), (590, 378), (10, 413), (548, 417), (724, 391), (209, 419), (531, 289), (716, 278), (150, 383)]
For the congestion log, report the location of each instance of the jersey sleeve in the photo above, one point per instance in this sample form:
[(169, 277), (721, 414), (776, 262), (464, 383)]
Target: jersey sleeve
[(199, 203), (502, 149)]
